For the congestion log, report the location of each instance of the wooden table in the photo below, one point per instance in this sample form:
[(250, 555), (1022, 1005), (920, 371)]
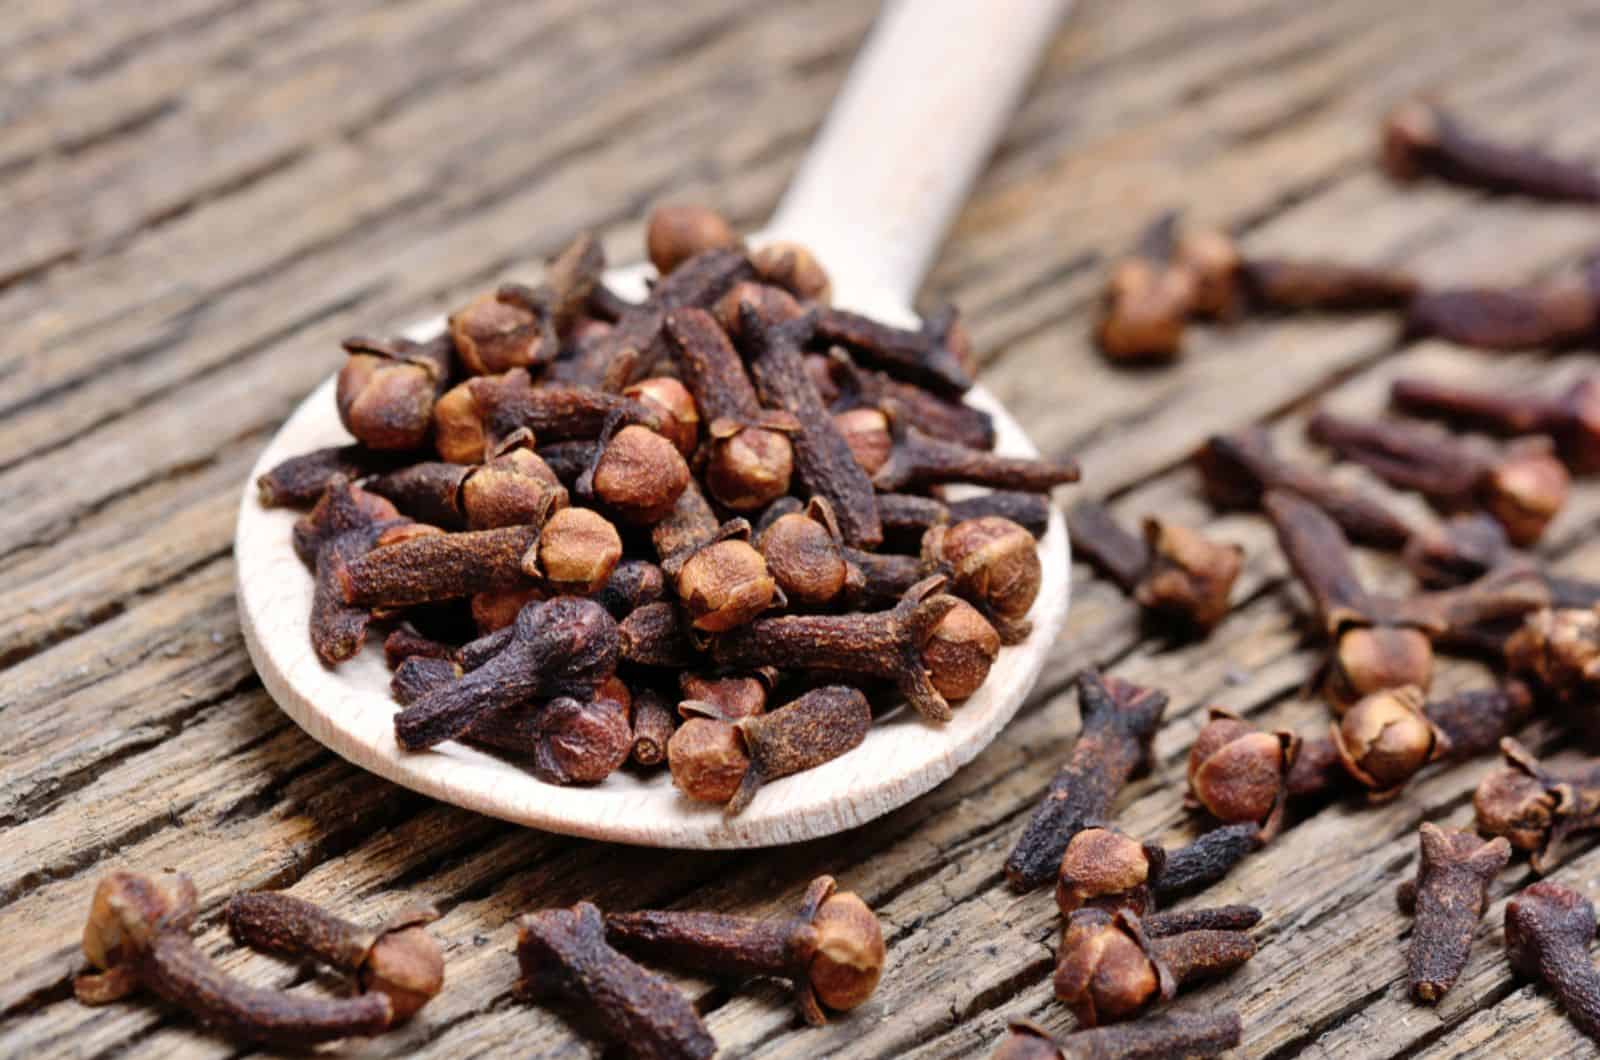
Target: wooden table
[(202, 197)]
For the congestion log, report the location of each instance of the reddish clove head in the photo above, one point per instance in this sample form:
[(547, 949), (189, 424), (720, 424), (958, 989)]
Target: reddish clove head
[(1386, 738), (1190, 577), (994, 563), (677, 232), (1237, 772), (1559, 650), (1105, 868)]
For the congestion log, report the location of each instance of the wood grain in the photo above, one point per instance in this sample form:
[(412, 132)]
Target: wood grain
[(204, 196)]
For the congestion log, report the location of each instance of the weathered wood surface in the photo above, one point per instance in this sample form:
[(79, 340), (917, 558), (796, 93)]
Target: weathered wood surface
[(202, 196)]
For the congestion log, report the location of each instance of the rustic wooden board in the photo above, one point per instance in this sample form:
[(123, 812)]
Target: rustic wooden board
[(201, 197)]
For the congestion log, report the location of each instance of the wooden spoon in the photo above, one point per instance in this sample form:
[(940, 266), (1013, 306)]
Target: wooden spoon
[(924, 102)]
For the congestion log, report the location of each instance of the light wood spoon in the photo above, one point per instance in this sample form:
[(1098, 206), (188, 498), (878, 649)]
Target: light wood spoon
[(932, 89)]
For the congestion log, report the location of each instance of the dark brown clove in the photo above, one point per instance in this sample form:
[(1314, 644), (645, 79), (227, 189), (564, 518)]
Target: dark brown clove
[(1571, 418), (794, 268), (919, 460), (1239, 774), (418, 675), (994, 565), (513, 489), (1108, 969), (637, 474), (1537, 808), (405, 640), (1148, 299), (400, 960), (386, 390), (137, 937), (1465, 547), (565, 740), (513, 327), (674, 406), (710, 755), (1420, 138), (1228, 282), (1385, 738), (846, 387), (726, 584), (564, 646), (938, 356), (831, 949), (1026, 1040), (653, 726), (1548, 929), (1101, 867), (1556, 315), (676, 232), (1206, 860), (300, 480), (909, 516), (438, 567), (1447, 898), (564, 958), (891, 645), (1559, 651), (1119, 720), (1171, 1034), (1174, 571), (655, 635), (477, 417), (1523, 487), (1474, 722), (1239, 469), (1214, 918), (631, 584), (826, 466), (748, 454), (806, 556)]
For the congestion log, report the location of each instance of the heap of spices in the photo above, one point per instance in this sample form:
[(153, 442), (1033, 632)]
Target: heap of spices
[(1570, 418), (1109, 969), (1239, 774), (1535, 807), (830, 949), (1548, 930), (1174, 571), (1171, 1034), (1422, 139), (400, 960), (1119, 721), (564, 958), (1447, 898), (1523, 487), (138, 937)]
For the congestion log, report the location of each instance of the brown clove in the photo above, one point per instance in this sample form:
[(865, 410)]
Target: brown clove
[(1537, 808), (1571, 418), (386, 391), (1447, 898), (846, 387), (831, 949), (1548, 929), (653, 725), (1239, 774), (676, 232), (299, 481), (1229, 283), (1148, 299), (1119, 720), (479, 417), (1174, 571), (938, 356), (1420, 138), (1558, 649), (1552, 315), (565, 740), (1171, 1034), (994, 565), (919, 459)]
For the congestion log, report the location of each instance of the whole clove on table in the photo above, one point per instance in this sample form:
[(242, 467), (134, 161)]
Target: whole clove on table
[(1537, 808), (562, 483), (1173, 571), (1447, 898)]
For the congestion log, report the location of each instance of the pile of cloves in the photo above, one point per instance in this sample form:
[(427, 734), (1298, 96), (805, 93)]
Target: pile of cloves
[(566, 500)]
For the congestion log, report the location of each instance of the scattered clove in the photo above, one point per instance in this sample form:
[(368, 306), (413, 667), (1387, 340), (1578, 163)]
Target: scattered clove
[(564, 958), (716, 760), (1238, 774), (1571, 418), (1385, 738), (137, 936), (1448, 899), (831, 950), (1537, 808), (1229, 283), (1148, 299), (400, 960), (1420, 138), (1548, 929), (1108, 969), (512, 327), (1105, 869), (1203, 862), (1523, 486), (1215, 918), (1552, 315), (1174, 571), (1171, 1034), (1119, 720)]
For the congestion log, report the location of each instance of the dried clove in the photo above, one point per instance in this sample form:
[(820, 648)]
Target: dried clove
[(674, 407), (137, 936), (891, 645), (1119, 720), (1215, 918), (1548, 928), (807, 558), (1148, 299), (1559, 651), (565, 740), (1554, 315), (1447, 898), (1108, 969), (1239, 774), (1464, 547), (993, 564), (1474, 722), (386, 390), (399, 960), (1171, 1034), (831, 949), (1385, 738), (822, 457), (905, 514), (1571, 418), (1106, 869), (1228, 283), (1420, 138), (655, 635), (1239, 469), (919, 459), (677, 232), (653, 726), (709, 756), (726, 584), (867, 435), (418, 675), (794, 268), (405, 640), (631, 584), (636, 473), (478, 417), (1174, 571), (512, 327), (300, 480), (577, 551), (564, 958), (1537, 808), (1523, 486), (439, 567), (937, 357), (1206, 860), (846, 387), (748, 455), (566, 646), (513, 489)]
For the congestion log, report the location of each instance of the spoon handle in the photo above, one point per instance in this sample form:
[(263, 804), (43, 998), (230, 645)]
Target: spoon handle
[(931, 91)]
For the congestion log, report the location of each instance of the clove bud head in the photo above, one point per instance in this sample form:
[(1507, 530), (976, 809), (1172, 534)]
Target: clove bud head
[(1518, 806), (1370, 659), (640, 475), (407, 967), (1146, 307), (677, 232), (492, 336), (128, 910), (1104, 972), (1105, 868), (794, 268), (670, 400), (748, 467), (1213, 261), (959, 652), (1190, 577), (866, 432), (725, 585), (385, 402), (707, 760), (1386, 738), (1559, 649), (576, 552), (1525, 491), (805, 559), (1237, 772), (848, 961), (995, 564)]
